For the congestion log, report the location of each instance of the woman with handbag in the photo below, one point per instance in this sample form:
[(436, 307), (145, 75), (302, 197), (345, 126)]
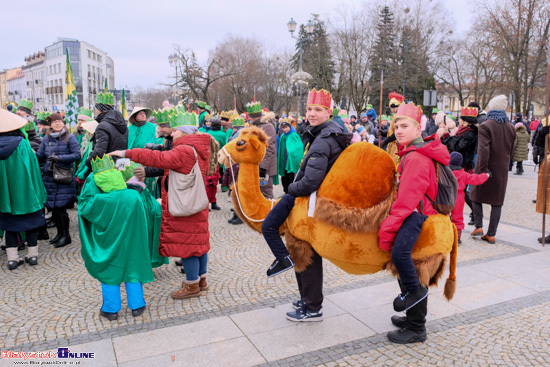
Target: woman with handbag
[(59, 150), (184, 226)]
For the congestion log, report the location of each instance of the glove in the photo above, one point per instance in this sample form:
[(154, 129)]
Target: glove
[(263, 172), (53, 158), (139, 172), (153, 146)]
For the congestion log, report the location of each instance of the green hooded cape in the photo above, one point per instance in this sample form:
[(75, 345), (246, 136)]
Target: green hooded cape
[(292, 144), (139, 136), (115, 236), (21, 187)]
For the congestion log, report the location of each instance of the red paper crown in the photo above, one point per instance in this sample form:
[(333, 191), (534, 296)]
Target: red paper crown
[(409, 110), (469, 111), (319, 98), (395, 98)]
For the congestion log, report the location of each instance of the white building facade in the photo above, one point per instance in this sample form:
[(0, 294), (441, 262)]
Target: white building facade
[(17, 87), (35, 78)]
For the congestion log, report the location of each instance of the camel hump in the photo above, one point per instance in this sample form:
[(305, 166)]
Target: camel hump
[(362, 177)]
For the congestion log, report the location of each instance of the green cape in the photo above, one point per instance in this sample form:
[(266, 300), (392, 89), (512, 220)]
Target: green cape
[(21, 187), (292, 144), (152, 182), (139, 136), (115, 235), (82, 168)]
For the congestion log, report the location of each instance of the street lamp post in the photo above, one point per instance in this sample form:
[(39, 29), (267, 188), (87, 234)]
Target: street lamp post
[(300, 77)]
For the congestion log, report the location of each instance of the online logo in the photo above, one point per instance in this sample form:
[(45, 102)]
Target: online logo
[(66, 353)]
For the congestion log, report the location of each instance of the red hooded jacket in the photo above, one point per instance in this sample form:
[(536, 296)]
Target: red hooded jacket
[(180, 236), (417, 178), (464, 178)]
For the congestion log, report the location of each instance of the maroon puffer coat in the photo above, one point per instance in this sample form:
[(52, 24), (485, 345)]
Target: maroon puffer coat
[(179, 236)]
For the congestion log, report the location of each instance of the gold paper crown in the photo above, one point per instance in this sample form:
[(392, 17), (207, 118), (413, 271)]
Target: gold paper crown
[(103, 164)]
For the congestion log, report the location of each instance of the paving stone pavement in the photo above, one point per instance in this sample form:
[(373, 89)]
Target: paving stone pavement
[(56, 303)]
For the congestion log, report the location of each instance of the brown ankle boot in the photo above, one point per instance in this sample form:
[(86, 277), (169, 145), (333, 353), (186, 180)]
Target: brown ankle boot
[(202, 283), (187, 291)]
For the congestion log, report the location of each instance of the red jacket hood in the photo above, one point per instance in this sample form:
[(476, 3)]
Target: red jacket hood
[(201, 142), (432, 148)]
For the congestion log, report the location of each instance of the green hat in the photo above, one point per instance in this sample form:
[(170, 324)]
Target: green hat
[(369, 106), (201, 104), (384, 117), (180, 108), (162, 116), (344, 116), (106, 176), (335, 111), (105, 98), (451, 117), (42, 116), (208, 108), (128, 171), (103, 164), (30, 126), (183, 119), (254, 107), (86, 112), (238, 121), (435, 110), (25, 103)]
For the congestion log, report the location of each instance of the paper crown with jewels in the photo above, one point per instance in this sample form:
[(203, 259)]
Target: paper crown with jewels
[(435, 110), (103, 164), (201, 104), (26, 103), (208, 108), (320, 97), (238, 121), (335, 111), (85, 111), (128, 171), (180, 108), (226, 115), (409, 110), (369, 107), (469, 111), (162, 116), (30, 126), (254, 107), (395, 99), (183, 119), (42, 116), (105, 98)]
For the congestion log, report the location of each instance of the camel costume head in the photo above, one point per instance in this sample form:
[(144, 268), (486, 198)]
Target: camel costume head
[(354, 198)]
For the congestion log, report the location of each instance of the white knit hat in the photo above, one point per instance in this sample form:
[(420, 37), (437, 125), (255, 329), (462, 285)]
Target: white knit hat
[(497, 103)]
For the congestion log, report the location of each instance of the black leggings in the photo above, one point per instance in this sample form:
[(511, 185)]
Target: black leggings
[(11, 238)]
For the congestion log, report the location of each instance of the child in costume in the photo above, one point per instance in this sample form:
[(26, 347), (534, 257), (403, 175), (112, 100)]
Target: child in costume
[(399, 231), (464, 179), (114, 232)]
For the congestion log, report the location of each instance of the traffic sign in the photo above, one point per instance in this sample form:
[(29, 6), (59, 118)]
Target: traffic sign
[(54, 108)]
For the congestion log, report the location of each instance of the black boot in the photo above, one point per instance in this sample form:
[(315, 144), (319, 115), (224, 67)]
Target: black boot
[(57, 220), (65, 236), (471, 222), (415, 330), (546, 239), (237, 221), (43, 234), (215, 206)]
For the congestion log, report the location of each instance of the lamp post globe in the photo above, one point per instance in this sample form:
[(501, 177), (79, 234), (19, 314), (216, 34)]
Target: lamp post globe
[(291, 25)]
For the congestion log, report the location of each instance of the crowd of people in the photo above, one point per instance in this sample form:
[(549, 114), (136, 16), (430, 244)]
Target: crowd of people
[(143, 169)]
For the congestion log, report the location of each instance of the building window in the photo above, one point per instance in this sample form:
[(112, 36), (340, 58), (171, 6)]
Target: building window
[(99, 58)]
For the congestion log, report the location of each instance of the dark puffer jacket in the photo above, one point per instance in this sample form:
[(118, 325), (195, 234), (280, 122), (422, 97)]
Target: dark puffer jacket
[(465, 144), (34, 140), (325, 147), (68, 151), (111, 134)]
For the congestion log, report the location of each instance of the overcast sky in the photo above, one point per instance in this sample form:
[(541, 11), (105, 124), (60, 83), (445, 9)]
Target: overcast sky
[(139, 35)]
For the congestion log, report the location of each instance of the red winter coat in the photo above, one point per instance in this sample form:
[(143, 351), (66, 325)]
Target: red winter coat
[(180, 236), (464, 178), (417, 178)]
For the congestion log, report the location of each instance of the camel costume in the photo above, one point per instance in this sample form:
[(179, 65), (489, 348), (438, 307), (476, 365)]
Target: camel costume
[(341, 226)]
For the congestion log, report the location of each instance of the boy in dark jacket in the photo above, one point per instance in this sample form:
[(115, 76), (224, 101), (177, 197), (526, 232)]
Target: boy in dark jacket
[(399, 231), (323, 140)]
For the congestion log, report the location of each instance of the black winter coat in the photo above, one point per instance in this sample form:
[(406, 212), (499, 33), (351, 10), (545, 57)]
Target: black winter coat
[(465, 144), (34, 140), (325, 147), (111, 134), (68, 151)]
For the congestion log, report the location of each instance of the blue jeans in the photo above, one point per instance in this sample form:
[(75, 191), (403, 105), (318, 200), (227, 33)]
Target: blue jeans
[(275, 219), (402, 249), (111, 297), (195, 266)]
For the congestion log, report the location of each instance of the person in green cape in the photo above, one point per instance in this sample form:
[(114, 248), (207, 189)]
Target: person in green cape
[(88, 145), (201, 106), (22, 193), (140, 131), (113, 225), (84, 115), (291, 151)]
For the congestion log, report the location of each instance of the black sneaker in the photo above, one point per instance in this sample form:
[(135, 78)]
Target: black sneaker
[(407, 336), (138, 311), (277, 267), (12, 265), (303, 315), (111, 316), (459, 241), (546, 239), (298, 304), (31, 260), (407, 300), (399, 321)]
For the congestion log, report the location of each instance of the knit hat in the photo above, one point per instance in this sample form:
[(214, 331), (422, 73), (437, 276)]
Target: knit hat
[(518, 125), (456, 159), (497, 103), (55, 117)]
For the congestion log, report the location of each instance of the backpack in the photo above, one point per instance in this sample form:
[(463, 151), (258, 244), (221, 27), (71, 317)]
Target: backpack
[(447, 189)]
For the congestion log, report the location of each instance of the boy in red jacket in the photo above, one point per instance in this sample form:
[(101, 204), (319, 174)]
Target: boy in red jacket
[(400, 230), (464, 178)]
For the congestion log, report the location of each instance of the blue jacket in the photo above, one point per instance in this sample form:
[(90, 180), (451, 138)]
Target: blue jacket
[(68, 151)]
